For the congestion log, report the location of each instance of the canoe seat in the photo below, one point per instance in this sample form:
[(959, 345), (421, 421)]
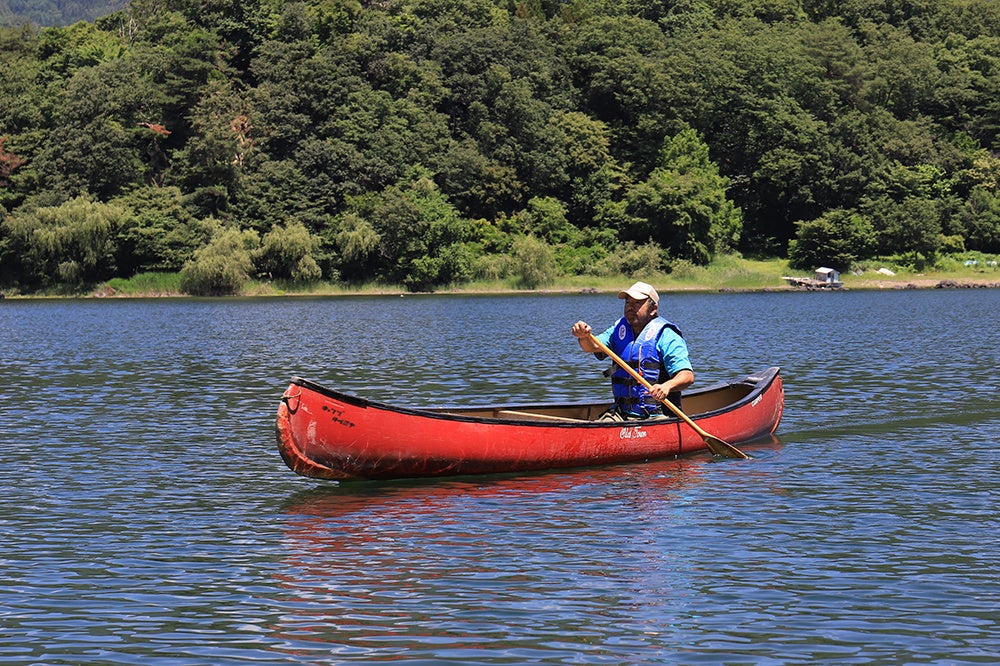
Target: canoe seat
[(536, 417)]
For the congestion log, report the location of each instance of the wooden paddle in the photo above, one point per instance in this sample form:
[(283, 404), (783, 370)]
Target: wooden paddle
[(715, 445)]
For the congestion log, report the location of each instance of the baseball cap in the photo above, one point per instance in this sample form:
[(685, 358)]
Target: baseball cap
[(640, 290)]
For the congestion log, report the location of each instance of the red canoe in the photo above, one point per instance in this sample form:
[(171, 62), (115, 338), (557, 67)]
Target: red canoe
[(326, 434)]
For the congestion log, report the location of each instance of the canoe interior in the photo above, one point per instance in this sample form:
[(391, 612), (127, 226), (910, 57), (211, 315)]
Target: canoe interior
[(699, 402)]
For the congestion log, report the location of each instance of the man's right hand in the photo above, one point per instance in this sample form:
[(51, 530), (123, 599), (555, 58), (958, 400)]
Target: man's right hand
[(581, 331)]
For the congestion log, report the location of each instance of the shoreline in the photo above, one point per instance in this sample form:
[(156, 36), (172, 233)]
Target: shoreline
[(933, 283), (860, 285)]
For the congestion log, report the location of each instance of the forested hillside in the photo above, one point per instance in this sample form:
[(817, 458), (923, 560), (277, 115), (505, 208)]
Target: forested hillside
[(48, 13), (430, 142)]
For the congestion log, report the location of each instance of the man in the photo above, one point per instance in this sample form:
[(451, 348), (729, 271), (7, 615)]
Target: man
[(650, 344)]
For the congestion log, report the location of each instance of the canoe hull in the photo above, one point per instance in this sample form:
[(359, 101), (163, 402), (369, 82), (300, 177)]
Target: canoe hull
[(326, 434)]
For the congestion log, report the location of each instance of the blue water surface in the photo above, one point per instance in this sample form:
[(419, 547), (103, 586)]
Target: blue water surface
[(146, 516)]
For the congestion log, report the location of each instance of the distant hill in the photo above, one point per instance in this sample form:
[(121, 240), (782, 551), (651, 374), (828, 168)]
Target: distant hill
[(47, 13)]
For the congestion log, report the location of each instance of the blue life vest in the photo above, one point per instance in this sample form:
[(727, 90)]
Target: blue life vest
[(640, 353)]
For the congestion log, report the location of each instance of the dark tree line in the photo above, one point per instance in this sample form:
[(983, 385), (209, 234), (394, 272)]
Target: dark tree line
[(429, 142)]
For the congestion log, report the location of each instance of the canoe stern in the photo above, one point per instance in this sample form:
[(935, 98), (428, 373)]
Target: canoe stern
[(288, 445)]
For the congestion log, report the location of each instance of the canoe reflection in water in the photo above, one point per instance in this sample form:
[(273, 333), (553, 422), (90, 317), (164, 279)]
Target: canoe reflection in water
[(479, 569)]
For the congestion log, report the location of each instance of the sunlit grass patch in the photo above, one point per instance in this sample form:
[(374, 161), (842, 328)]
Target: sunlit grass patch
[(729, 272), (146, 284)]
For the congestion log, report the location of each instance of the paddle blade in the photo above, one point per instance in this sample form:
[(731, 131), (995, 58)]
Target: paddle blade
[(724, 449)]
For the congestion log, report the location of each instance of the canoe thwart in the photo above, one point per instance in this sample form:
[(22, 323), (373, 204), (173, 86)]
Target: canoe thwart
[(537, 417)]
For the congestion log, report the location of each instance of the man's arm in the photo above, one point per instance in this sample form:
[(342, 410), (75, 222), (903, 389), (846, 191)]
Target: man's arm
[(674, 360)]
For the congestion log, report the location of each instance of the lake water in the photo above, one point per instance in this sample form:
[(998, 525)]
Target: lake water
[(147, 518)]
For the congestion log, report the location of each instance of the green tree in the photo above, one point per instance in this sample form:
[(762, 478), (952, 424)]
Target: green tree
[(161, 231), (67, 246), (106, 132), (966, 97), (417, 139), (618, 65), (241, 24), (906, 74), (223, 266), (357, 242), (272, 191), (911, 227), (63, 51), (545, 217), (413, 225), (220, 139), (595, 178), (477, 185), (979, 218), (837, 239), (683, 205), (9, 163), (636, 260), (22, 114), (290, 252), (534, 262)]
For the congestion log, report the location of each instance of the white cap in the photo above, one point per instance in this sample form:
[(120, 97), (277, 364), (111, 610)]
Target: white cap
[(640, 290)]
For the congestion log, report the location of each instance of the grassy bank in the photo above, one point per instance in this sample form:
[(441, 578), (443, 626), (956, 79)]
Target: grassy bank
[(728, 273)]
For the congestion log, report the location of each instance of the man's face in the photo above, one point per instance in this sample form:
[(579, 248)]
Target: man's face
[(639, 311)]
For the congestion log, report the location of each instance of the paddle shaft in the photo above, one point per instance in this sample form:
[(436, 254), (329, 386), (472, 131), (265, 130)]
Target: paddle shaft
[(715, 445)]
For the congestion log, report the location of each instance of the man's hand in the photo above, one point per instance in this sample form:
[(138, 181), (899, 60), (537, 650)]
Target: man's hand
[(679, 382), (581, 331), (659, 392)]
